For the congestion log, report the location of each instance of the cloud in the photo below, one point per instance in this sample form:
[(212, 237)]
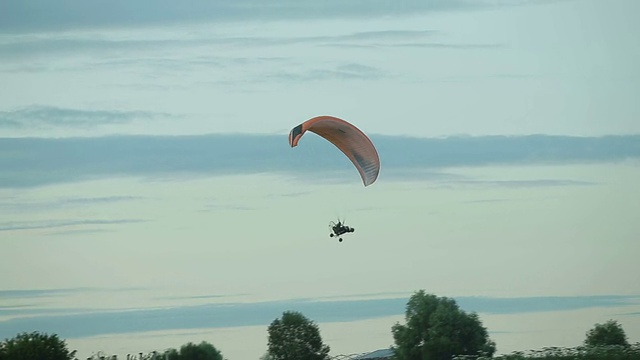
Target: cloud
[(200, 297), (31, 302), (631, 314), (42, 15), (343, 72), (79, 232), (488, 150), (48, 116), (110, 43), (55, 53), (289, 194), (225, 207), (543, 303), (432, 45), (29, 162), (56, 224), (216, 315), (35, 293), (60, 227), (519, 183), (19, 205)]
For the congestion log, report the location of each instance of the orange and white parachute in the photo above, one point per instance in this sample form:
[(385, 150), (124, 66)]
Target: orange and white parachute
[(346, 137)]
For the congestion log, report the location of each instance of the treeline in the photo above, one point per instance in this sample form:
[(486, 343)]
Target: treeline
[(604, 352), (435, 328)]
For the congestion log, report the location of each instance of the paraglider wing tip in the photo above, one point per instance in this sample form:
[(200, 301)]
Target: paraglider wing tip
[(294, 135), (371, 182)]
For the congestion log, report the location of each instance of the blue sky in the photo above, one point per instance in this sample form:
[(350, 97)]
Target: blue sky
[(147, 184)]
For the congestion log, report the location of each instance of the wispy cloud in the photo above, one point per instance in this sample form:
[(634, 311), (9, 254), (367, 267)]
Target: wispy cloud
[(72, 43), (199, 297), (431, 45), (38, 116), (342, 72), (28, 162), (519, 183), (17, 204), (88, 231), (152, 51), (56, 224), (34, 293), (150, 54), (289, 194), (42, 15), (225, 207), (631, 314)]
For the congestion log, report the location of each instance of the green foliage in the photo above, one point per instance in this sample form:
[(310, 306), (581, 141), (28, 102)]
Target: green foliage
[(35, 346), (294, 337), (611, 352), (191, 351), (438, 329), (172, 354), (609, 333)]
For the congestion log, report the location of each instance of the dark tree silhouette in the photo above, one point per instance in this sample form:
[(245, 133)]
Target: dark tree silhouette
[(35, 346), (438, 329), (609, 333), (294, 337)]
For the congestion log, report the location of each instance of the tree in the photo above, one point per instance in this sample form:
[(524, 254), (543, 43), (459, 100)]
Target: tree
[(294, 337), (35, 346), (438, 329), (609, 333), (171, 354), (191, 351)]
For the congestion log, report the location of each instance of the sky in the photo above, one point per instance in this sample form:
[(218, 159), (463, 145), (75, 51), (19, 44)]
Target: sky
[(149, 197)]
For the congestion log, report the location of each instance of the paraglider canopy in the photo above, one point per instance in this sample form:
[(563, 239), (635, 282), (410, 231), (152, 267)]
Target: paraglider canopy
[(346, 137)]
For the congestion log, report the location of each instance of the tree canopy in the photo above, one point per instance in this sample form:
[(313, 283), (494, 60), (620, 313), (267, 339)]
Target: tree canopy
[(35, 346), (294, 337), (438, 329), (609, 333), (191, 351)]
